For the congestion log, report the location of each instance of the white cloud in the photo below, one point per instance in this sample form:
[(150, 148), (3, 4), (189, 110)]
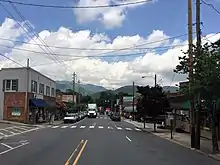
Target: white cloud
[(109, 17), (96, 70)]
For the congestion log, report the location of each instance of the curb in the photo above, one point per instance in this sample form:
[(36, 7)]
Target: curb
[(215, 157), (15, 123)]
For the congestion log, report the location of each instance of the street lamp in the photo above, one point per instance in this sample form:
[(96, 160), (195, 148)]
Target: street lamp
[(155, 79)]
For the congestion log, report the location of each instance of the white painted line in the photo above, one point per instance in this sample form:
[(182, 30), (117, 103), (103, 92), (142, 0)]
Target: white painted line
[(73, 126), (4, 152), (137, 129), (129, 129), (65, 126), (3, 134), (55, 126), (100, 127), (92, 126), (6, 145), (21, 128), (9, 131), (82, 126), (110, 128), (119, 128), (128, 138), (19, 131)]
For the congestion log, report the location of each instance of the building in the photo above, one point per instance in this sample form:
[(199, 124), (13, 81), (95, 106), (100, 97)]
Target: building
[(24, 93)]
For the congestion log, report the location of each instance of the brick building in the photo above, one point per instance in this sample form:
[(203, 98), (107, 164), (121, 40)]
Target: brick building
[(24, 90)]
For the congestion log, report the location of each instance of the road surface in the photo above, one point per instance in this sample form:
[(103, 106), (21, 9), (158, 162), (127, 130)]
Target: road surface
[(97, 141)]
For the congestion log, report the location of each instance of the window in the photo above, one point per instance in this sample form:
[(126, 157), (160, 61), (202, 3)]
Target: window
[(52, 92), (41, 89), (47, 90), (33, 86), (10, 85)]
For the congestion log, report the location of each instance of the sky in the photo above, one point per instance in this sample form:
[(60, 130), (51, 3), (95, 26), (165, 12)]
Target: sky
[(110, 47)]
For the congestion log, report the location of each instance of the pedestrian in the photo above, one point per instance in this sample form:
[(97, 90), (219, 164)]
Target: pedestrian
[(52, 118)]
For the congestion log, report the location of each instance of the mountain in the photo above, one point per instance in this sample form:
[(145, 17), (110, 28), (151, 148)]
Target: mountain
[(129, 89), (126, 89), (85, 89)]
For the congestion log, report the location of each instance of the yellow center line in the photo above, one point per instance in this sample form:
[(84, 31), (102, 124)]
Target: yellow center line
[(80, 153), (67, 162)]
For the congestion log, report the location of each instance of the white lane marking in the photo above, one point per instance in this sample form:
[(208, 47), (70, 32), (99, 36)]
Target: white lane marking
[(16, 130), (82, 126), (65, 126), (6, 145), (3, 134), (129, 129), (55, 126), (137, 129), (110, 128), (73, 126), (128, 138), (92, 126), (119, 128), (4, 152), (21, 128), (101, 127), (9, 131)]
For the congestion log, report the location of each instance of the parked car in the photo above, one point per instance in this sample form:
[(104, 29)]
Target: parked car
[(116, 116), (70, 118)]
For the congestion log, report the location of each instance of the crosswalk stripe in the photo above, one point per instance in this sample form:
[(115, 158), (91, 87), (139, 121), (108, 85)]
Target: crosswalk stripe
[(73, 126), (55, 126), (101, 127), (129, 129), (119, 128), (82, 126), (92, 126), (137, 129), (65, 126), (110, 128)]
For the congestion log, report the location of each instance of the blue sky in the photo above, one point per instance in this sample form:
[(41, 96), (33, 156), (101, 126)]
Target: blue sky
[(169, 16)]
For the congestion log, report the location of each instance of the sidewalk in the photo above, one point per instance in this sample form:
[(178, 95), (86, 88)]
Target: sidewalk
[(179, 138), (13, 123)]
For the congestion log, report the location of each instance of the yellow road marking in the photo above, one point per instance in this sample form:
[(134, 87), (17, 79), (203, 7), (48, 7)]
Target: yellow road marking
[(80, 153), (67, 162)]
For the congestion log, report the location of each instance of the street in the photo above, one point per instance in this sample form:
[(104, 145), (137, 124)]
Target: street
[(97, 141)]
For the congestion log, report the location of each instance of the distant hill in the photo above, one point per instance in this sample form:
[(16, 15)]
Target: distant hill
[(126, 89), (86, 89), (129, 89)]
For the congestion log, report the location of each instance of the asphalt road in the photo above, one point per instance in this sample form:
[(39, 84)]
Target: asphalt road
[(95, 142)]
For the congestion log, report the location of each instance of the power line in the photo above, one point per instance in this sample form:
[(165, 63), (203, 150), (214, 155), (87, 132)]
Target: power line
[(76, 7), (11, 59), (78, 48), (72, 55), (211, 6)]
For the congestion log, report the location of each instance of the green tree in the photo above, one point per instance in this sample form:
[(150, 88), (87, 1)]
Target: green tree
[(206, 80), (152, 103)]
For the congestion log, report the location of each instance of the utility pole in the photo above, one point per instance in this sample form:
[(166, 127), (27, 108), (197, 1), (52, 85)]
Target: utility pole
[(74, 84), (79, 92), (133, 101), (155, 80), (198, 46), (190, 65), (26, 93)]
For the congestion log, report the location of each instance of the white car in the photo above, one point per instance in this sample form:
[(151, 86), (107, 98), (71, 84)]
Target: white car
[(70, 118)]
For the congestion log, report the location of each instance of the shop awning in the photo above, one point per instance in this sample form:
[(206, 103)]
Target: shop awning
[(38, 103)]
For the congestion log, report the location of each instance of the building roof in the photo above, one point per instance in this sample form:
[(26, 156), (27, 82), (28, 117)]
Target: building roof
[(29, 69)]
